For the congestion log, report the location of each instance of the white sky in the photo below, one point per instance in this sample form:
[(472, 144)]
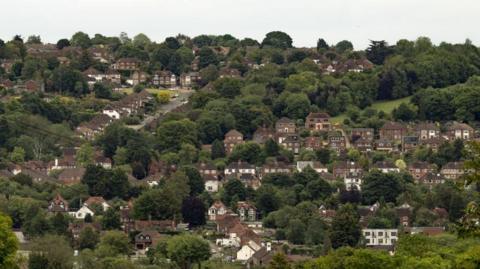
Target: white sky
[(304, 20)]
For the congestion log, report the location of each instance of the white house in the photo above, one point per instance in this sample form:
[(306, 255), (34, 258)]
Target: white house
[(353, 180), (247, 251), (111, 112), (217, 209), (380, 237), (82, 212), (240, 168), (317, 166), (212, 184)]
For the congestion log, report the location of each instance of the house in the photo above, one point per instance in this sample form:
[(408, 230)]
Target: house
[(428, 231), (229, 73), (113, 76), (458, 130), (453, 170), (70, 176), (337, 142), (317, 166), (386, 167), (385, 145), (248, 250), (380, 237), (232, 138), (404, 214), (362, 133), (165, 79), (246, 211), (212, 183), (239, 167), (326, 214), (126, 64), (366, 213), (427, 130), (146, 239), (261, 258), (82, 212), (217, 209), (138, 77), (157, 225), (285, 126), (100, 54), (250, 181), (262, 134), (94, 74), (275, 167), (89, 130), (419, 169), (431, 179), (102, 161), (207, 169), (313, 143), (292, 143), (410, 143), (319, 121), (126, 218), (97, 200), (58, 205), (392, 131), (34, 86), (188, 80), (342, 169), (353, 181), (75, 228), (363, 145)]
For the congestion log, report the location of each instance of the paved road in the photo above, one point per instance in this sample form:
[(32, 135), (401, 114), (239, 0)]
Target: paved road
[(183, 96)]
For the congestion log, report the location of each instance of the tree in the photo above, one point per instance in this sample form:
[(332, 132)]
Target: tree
[(88, 238), (296, 231), (85, 155), (111, 219), (267, 199), (9, 245), (271, 148), (195, 180), (206, 57), (22, 179), (378, 51), (377, 186), (172, 43), (233, 190), (193, 211), (249, 152), (279, 261), (55, 250), (186, 250), (228, 87), (343, 46), (62, 43), (17, 155), (81, 39), (218, 149), (345, 227), (114, 243), (101, 91), (141, 40), (277, 39), (322, 44), (172, 134), (404, 112)]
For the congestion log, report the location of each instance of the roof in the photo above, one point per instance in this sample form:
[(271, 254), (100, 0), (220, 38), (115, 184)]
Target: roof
[(454, 165), (384, 165), (240, 165), (218, 204), (426, 126), (459, 126), (318, 115), (285, 120), (233, 132), (71, 173), (392, 125), (246, 205), (420, 165), (94, 200)]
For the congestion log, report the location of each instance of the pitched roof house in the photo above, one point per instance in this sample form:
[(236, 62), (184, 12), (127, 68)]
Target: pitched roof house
[(318, 121), (232, 138)]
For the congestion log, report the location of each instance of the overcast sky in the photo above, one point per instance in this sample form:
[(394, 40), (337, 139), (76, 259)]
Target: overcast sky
[(305, 20)]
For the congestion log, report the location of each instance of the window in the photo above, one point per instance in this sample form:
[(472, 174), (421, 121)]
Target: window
[(380, 233), (393, 234), (380, 241)]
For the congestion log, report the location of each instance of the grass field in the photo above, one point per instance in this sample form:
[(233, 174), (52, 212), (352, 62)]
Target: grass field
[(385, 106), (150, 90)]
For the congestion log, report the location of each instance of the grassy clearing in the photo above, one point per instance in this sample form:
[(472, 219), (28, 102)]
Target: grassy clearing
[(385, 106)]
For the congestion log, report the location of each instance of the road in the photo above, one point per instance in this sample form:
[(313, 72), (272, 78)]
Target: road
[(183, 95)]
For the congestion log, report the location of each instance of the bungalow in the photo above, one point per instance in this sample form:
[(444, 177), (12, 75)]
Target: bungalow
[(319, 121), (82, 212), (232, 138)]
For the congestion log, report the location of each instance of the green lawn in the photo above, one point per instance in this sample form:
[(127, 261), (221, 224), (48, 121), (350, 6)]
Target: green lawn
[(385, 106)]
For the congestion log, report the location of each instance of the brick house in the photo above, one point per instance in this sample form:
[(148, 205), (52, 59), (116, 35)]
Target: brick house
[(292, 143), (232, 138), (246, 211), (404, 214), (58, 205), (188, 80), (127, 64), (363, 145), (165, 79), (410, 143), (453, 170), (71, 176), (262, 134), (364, 133), (431, 179), (419, 169), (285, 126), (313, 143), (318, 121), (275, 167), (458, 130), (427, 130), (337, 142), (217, 209), (392, 131), (146, 239), (385, 145), (139, 77)]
